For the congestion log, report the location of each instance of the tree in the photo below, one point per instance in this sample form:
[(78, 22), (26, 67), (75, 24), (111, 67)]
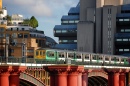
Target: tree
[(26, 21), (33, 22), (8, 19)]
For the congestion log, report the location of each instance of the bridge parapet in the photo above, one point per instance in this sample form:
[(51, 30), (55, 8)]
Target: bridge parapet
[(31, 79)]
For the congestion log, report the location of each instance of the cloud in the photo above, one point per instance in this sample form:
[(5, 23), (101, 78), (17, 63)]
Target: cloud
[(47, 12), (40, 7)]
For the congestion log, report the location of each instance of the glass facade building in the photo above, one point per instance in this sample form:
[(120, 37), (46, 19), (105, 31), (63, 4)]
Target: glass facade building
[(122, 36), (67, 31)]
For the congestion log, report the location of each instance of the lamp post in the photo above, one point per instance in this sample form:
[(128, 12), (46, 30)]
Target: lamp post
[(6, 49), (24, 51)]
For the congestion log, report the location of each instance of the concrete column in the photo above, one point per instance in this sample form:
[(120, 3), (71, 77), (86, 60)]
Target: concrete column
[(122, 79), (80, 79), (61, 79), (14, 79), (110, 79), (4, 79), (85, 79), (72, 79), (116, 79)]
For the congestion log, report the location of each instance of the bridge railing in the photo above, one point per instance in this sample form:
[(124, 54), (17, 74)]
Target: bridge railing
[(42, 61), (31, 79)]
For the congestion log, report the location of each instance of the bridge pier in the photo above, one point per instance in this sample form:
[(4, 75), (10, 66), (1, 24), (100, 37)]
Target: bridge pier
[(122, 79), (117, 78), (65, 75), (85, 78), (9, 75)]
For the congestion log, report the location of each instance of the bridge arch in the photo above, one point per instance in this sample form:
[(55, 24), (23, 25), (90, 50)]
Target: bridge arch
[(29, 78), (97, 78)]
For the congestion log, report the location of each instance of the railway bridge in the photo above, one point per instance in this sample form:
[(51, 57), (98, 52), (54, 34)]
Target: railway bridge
[(15, 72)]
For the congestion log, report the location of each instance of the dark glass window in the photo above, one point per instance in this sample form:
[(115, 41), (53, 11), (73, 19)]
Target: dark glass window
[(25, 35), (20, 35)]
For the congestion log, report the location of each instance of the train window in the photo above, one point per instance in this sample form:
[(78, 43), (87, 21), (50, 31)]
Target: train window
[(43, 53), (59, 55), (78, 57), (62, 55), (122, 60), (117, 59), (36, 52), (112, 59), (40, 52), (70, 55), (107, 59), (86, 57), (50, 54), (94, 57)]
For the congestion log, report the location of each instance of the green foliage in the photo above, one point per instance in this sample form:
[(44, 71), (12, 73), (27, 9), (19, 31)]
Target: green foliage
[(33, 22), (26, 21), (8, 18)]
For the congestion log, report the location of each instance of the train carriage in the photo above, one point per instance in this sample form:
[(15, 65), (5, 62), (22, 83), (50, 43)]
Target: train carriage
[(86, 57), (78, 56), (71, 55), (51, 55), (61, 55), (96, 58), (40, 54)]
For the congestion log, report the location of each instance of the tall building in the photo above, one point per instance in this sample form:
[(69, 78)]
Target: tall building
[(122, 36), (97, 26), (67, 31), (17, 40)]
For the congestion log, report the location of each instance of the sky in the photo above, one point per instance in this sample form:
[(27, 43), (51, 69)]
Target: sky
[(47, 12)]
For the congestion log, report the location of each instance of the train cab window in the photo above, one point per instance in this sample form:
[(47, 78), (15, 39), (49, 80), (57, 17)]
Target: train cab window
[(36, 53), (43, 53), (40, 52)]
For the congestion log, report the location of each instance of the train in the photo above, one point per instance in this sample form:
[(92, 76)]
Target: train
[(58, 55)]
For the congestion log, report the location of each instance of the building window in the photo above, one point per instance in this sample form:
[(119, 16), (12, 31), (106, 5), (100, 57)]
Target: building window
[(71, 21), (120, 49), (126, 19), (64, 31), (122, 30), (12, 50), (30, 50), (76, 21), (2, 35), (120, 19), (20, 35), (125, 39), (25, 35), (126, 49), (58, 31), (127, 30), (118, 39), (1, 29), (64, 21), (14, 35)]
